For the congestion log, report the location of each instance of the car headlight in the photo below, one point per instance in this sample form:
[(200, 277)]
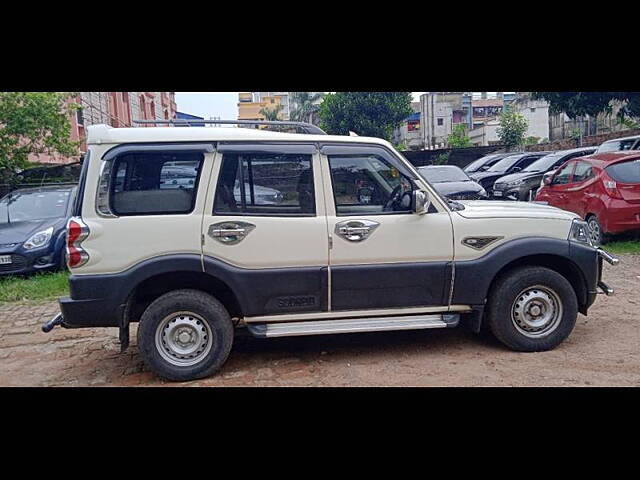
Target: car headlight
[(580, 232), (39, 239), (515, 183)]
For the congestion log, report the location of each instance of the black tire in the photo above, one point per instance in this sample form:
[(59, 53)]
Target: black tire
[(62, 264), (503, 302), (200, 306), (600, 237)]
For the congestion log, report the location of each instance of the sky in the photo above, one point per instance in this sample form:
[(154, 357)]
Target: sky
[(223, 105)]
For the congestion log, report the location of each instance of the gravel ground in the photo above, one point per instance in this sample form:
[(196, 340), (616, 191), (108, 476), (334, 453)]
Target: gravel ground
[(602, 350)]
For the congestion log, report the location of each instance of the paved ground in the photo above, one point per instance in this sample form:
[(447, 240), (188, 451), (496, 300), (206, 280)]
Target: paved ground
[(604, 349)]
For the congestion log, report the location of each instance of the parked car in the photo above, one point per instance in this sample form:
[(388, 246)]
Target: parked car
[(453, 182), (620, 144), (523, 185), (361, 243), (33, 228), (507, 165), (482, 164), (604, 189)]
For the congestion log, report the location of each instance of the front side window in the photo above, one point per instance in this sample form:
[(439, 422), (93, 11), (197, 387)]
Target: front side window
[(367, 184), (563, 176), (265, 184), (155, 183)]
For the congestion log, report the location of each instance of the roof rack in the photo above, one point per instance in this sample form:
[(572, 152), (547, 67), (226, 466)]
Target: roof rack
[(307, 127)]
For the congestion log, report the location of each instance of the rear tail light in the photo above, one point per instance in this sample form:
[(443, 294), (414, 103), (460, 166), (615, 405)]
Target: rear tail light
[(77, 231), (610, 186)]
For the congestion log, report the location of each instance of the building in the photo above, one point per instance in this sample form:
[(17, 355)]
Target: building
[(118, 109), (409, 134), (187, 116), (537, 114), (440, 112), (485, 134), (250, 104)]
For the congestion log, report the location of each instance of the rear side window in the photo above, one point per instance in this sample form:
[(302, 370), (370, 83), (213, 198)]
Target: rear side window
[(563, 176), (625, 172), (618, 145), (583, 172), (155, 183), (274, 184)]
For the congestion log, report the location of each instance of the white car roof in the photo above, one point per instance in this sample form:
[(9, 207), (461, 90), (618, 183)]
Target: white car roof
[(101, 134)]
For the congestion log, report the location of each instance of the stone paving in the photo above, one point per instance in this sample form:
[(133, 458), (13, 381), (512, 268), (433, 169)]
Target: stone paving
[(604, 349)]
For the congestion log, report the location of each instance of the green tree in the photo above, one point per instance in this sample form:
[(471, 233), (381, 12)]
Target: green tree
[(307, 106), (532, 140), (512, 129), (576, 104), (373, 114), (33, 123), (441, 158), (271, 114), (458, 137)]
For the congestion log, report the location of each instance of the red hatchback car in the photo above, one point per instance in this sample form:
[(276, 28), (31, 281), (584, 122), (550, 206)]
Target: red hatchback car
[(604, 189)]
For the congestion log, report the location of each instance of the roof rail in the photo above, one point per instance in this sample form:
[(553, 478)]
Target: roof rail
[(307, 127)]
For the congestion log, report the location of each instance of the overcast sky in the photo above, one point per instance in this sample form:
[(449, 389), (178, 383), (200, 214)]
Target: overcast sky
[(219, 104)]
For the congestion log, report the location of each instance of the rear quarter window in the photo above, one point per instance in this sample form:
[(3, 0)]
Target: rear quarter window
[(625, 172), (155, 183)]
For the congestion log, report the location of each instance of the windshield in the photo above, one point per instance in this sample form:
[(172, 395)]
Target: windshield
[(505, 164), (26, 206), (544, 163), (443, 174), (616, 146), (476, 164)]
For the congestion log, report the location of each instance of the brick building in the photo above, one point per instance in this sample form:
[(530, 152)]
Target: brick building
[(117, 109)]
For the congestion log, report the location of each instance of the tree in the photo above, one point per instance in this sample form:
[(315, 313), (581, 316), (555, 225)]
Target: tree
[(271, 114), (512, 129), (532, 140), (373, 114), (306, 106), (458, 137), (577, 104), (33, 123)]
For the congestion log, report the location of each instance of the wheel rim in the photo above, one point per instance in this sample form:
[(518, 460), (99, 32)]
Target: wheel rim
[(594, 231), (536, 311), (183, 338)]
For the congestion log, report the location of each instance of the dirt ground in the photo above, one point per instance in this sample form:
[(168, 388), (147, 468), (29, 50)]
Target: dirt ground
[(604, 349)]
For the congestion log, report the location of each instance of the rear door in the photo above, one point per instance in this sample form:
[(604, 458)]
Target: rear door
[(383, 256), (264, 227)]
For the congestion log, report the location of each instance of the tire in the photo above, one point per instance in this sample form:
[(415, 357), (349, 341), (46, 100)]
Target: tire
[(62, 264), (598, 237), (185, 335), (532, 309)]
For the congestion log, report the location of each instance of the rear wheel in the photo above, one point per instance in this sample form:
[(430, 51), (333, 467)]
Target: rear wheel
[(532, 309), (185, 335), (596, 232)]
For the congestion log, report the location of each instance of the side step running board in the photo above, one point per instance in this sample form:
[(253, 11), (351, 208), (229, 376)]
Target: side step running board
[(350, 325)]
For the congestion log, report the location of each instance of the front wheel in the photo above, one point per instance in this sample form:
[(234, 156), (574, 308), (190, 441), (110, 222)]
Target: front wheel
[(185, 335), (532, 309), (596, 232)]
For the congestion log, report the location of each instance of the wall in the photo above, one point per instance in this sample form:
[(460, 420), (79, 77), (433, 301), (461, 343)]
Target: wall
[(593, 140), (538, 119), (458, 156)]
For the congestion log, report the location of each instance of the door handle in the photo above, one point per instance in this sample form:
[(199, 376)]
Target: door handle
[(356, 230), (230, 233)]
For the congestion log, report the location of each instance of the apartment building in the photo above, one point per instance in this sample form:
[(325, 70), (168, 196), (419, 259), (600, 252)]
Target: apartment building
[(118, 109), (251, 103)]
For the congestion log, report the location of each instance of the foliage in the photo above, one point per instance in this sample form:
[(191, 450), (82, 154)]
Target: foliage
[(442, 158), (458, 137), (576, 104), (306, 106), (629, 123), (271, 114), (373, 114), (576, 134), (630, 246), (531, 140), (33, 123), (513, 127), (41, 286), (401, 147)]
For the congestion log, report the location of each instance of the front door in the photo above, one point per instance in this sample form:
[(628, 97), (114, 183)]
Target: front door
[(264, 227), (558, 188), (382, 254)]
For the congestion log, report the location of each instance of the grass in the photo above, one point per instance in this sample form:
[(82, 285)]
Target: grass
[(629, 247), (42, 286)]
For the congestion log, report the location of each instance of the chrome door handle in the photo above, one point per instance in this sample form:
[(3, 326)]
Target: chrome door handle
[(230, 233), (356, 230)]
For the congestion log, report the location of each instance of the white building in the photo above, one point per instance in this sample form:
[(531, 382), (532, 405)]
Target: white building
[(486, 134), (537, 114)]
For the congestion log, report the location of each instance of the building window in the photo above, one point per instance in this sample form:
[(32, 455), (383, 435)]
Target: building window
[(143, 108), (532, 110), (125, 97), (152, 110), (79, 116), (413, 126), (440, 122)]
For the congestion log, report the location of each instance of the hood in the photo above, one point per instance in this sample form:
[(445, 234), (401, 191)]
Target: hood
[(19, 232), (477, 176), (500, 209), (512, 177), (450, 188)]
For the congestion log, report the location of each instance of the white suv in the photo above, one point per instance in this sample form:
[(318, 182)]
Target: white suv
[(303, 234)]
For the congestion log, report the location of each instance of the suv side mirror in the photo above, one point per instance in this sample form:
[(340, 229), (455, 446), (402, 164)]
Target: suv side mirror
[(421, 202), (516, 169)]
